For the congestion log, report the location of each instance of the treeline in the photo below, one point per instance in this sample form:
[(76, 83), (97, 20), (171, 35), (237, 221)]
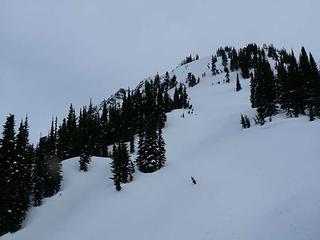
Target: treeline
[(292, 86), (28, 173), (16, 167), (189, 59)]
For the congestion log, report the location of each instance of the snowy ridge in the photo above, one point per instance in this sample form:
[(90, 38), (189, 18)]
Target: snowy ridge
[(259, 183)]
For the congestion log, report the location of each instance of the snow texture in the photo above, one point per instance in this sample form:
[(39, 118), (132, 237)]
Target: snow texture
[(258, 183)]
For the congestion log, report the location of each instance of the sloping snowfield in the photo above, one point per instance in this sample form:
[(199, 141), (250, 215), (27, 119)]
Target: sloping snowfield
[(259, 183)]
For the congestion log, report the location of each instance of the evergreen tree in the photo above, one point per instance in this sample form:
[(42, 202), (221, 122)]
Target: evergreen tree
[(238, 85), (253, 85), (191, 80), (243, 122), (151, 149), (162, 149), (176, 99), (244, 63), (104, 131), (283, 92), (63, 141), (234, 62), (85, 159), (121, 166), (141, 149), (305, 73), (315, 87), (265, 97), (296, 86), (213, 65), (132, 147), (22, 177), (247, 121), (39, 172), (147, 160), (15, 175), (71, 136), (224, 59), (7, 171)]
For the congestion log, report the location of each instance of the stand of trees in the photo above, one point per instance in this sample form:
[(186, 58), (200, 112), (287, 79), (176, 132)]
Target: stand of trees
[(294, 88), (29, 174), (16, 154)]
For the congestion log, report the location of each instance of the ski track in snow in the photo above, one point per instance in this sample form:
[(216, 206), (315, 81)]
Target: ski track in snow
[(259, 183)]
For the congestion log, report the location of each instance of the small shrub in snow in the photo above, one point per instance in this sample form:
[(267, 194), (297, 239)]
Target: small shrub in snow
[(245, 121)]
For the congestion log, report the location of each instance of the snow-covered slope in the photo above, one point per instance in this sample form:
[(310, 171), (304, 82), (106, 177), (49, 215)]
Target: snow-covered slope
[(259, 183)]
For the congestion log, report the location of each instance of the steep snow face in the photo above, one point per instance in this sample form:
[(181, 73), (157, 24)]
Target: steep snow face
[(259, 183)]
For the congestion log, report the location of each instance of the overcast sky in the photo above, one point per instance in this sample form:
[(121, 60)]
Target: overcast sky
[(57, 52)]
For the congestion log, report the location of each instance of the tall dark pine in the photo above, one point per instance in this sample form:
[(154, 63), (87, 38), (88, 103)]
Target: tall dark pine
[(22, 177), (224, 59), (141, 149), (284, 97), (191, 80), (7, 168), (244, 64), (162, 150), (296, 86), (306, 81), (213, 65), (121, 166), (253, 85), (151, 150), (54, 167), (238, 85), (116, 168), (63, 141), (234, 62), (132, 147), (40, 172), (315, 92), (85, 159), (148, 154), (265, 96)]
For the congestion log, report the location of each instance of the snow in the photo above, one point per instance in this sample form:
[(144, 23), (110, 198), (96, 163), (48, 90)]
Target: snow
[(257, 183)]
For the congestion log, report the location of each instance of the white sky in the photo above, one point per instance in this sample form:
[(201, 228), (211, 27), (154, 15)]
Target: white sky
[(54, 52)]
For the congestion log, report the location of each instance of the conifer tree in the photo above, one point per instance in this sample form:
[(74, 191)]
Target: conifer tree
[(283, 93), (121, 166), (39, 172), (296, 86), (224, 59), (22, 177), (234, 64), (305, 73), (253, 85), (132, 147), (213, 65), (227, 75), (191, 80), (85, 159), (265, 90), (244, 63), (238, 85), (147, 160), (162, 149), (141, 149), (7, 171), (243, 122), (315, 87)]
